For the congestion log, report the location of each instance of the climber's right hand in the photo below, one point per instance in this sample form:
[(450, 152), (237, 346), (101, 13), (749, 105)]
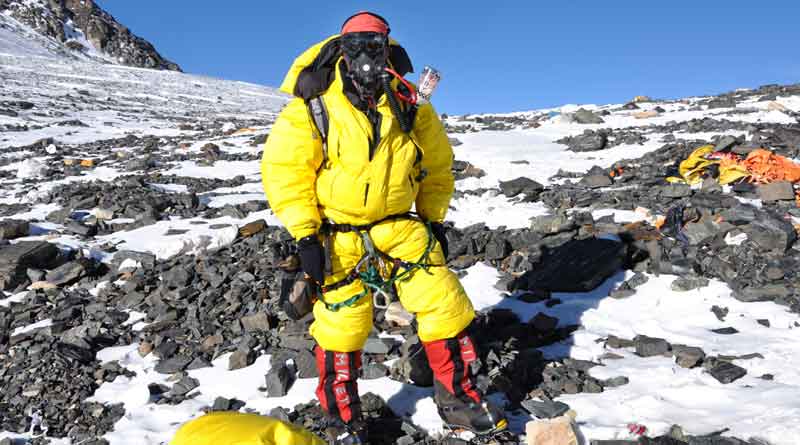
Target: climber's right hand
[(312, 258)]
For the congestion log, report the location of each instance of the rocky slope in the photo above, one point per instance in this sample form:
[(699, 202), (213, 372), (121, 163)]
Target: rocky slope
[(140, 267), (83, 27)]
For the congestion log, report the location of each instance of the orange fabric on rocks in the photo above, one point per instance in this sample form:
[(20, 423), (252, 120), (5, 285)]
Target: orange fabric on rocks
[(765, 167)]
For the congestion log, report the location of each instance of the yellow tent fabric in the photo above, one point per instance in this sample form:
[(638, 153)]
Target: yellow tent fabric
[(691, 169), (233, 428)]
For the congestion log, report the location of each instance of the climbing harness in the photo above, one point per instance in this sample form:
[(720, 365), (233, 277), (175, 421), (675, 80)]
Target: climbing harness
[(374, 265)]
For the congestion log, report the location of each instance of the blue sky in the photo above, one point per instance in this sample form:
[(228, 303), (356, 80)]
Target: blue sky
[(499, 56)]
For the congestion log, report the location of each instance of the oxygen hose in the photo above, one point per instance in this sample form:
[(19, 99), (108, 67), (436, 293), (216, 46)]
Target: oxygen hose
[(386, 82)]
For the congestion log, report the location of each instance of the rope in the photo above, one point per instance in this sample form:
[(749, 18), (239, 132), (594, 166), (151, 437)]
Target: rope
[(369, 269)]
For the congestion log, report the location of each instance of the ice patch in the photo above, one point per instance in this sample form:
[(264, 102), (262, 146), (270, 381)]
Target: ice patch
[(32, 327), (30, 168)]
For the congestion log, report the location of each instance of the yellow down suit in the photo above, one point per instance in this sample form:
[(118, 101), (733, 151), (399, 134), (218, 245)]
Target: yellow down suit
[(351, 187), (232, 428)]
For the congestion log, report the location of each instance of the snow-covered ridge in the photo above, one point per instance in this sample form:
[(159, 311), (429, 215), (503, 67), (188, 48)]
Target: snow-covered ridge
[(80, 28)]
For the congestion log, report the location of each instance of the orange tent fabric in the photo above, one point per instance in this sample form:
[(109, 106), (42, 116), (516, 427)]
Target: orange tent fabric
[(765, 167)]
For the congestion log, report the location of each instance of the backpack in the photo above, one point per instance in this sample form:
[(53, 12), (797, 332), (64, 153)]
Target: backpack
[(315, 79)]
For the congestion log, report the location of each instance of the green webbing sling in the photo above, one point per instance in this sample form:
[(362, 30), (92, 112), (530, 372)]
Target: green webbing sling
[(368, 270)]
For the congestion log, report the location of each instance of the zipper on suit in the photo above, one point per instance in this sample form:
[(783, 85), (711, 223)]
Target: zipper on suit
[(375, 118), (366, 193)]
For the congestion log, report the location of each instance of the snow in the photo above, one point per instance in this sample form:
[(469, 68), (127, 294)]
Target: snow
[(220, 169), (661, 391), (498, 211), (493, 151), (29, 168), (32, 327), (210, 234)]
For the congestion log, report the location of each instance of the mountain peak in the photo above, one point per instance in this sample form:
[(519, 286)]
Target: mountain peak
[(84, 27)]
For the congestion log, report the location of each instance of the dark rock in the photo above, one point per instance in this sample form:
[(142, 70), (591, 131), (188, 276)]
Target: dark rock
[(376, 345), (374, 371), (545, 409), (687, 283), (198, 363), (551, 224), (649, 346), (688, 356), (768, 292), (726, 372), (252, 228), (701, 232), (676, 191), (156, 392), (172, 365), (596, 181), (278, 381), (583, 116), (184, 386), (771, 234), (637, 280), (543, 323), (726, 143), (618, 343), (412, 366), (16, 259), (221, 404), (463, 170), (740, 215), (776, 191), (533, 296), (178, 277), (211, 151), (577, 266), (306, 365), (763, 322), (13, 229), (66, 273), (280, 413), (497, 248), (521, 185), (725, 331), (621, 293), (615, 382), (241, 359), (256, 323), (711, 185), (722, 102), (588, 141), (79, 229)]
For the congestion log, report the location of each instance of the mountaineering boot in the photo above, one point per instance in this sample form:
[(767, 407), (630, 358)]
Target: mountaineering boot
[(460, 405), (337, 392)]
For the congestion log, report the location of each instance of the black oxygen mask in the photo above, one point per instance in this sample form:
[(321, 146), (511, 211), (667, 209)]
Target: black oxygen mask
[(365, 54)]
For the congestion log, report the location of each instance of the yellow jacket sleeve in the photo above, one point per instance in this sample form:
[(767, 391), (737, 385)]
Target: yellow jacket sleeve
[(292, 155), (437, 188)]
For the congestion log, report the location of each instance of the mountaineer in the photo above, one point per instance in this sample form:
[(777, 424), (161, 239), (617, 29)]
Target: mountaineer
[(344, 164)]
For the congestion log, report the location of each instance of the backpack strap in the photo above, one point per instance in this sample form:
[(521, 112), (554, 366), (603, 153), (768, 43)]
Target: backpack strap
[(319, 115)]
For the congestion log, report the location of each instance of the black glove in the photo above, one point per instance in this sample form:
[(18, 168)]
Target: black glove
[(439, 232), (312, 258)]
